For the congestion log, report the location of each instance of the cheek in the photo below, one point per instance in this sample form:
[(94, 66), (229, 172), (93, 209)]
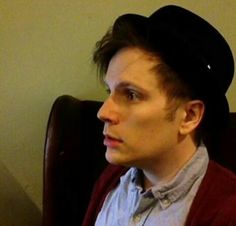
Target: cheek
[(151, 132), (145, 127)]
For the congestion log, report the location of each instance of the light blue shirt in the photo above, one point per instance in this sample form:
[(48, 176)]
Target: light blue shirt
[(163, 204)]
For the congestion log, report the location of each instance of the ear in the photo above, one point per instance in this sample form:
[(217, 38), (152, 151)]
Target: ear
[(193, 112)]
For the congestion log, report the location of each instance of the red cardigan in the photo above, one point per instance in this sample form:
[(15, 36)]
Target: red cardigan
[(213, 205)]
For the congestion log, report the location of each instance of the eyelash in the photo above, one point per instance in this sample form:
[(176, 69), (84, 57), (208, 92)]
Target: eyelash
[(131, 95), (108, 91)]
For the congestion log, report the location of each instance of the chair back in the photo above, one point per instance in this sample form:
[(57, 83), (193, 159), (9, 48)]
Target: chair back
[(73, 159)]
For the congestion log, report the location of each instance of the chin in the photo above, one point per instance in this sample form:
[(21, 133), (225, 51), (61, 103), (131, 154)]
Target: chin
[(114, 158), (114, 161), (117, 159)]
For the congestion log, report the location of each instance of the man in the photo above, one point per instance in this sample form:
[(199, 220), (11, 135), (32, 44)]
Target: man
[(167, 76)]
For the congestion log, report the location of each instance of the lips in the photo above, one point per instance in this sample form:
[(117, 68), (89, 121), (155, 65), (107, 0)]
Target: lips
[(111, 141)]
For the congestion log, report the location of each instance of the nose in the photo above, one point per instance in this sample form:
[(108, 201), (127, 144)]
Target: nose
[(108, 112)]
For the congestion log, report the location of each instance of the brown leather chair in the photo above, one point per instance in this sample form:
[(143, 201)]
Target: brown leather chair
[(74, 158)]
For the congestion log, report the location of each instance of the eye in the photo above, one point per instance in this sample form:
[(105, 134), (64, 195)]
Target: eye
[(132, 95)]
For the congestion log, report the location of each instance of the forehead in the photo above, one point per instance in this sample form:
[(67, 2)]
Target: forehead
[(134, 65)]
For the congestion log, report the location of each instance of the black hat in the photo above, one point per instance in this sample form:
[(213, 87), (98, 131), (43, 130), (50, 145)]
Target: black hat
[(195, 50)]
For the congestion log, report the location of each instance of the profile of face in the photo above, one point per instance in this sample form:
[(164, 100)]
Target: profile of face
[(136, 129)]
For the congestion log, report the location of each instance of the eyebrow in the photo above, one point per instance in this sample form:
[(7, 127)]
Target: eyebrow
[(127, 84)]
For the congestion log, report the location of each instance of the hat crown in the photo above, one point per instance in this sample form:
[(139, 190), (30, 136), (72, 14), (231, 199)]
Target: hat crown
[(192, 38)]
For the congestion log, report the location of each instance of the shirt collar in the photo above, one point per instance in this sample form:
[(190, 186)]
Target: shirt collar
[(173, 190)]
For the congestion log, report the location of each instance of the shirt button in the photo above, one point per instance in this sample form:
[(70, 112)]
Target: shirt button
[(166, 201), (137, 218)]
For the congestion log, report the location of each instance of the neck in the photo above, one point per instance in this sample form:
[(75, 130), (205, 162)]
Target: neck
[(169, 164)]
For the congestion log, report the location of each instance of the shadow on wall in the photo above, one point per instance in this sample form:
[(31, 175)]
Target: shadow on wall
[(16, 208)]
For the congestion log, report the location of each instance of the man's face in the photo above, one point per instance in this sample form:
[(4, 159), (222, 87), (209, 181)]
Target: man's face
[(137, 131)]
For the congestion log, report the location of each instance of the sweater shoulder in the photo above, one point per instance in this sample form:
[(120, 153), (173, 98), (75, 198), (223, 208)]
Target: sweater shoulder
[(215, 200), (220, 175)]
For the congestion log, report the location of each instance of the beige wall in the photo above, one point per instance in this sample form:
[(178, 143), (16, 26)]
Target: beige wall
[(45, 51)]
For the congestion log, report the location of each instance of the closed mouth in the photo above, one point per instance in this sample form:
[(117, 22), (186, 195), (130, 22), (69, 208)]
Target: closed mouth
[(111, 141)]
